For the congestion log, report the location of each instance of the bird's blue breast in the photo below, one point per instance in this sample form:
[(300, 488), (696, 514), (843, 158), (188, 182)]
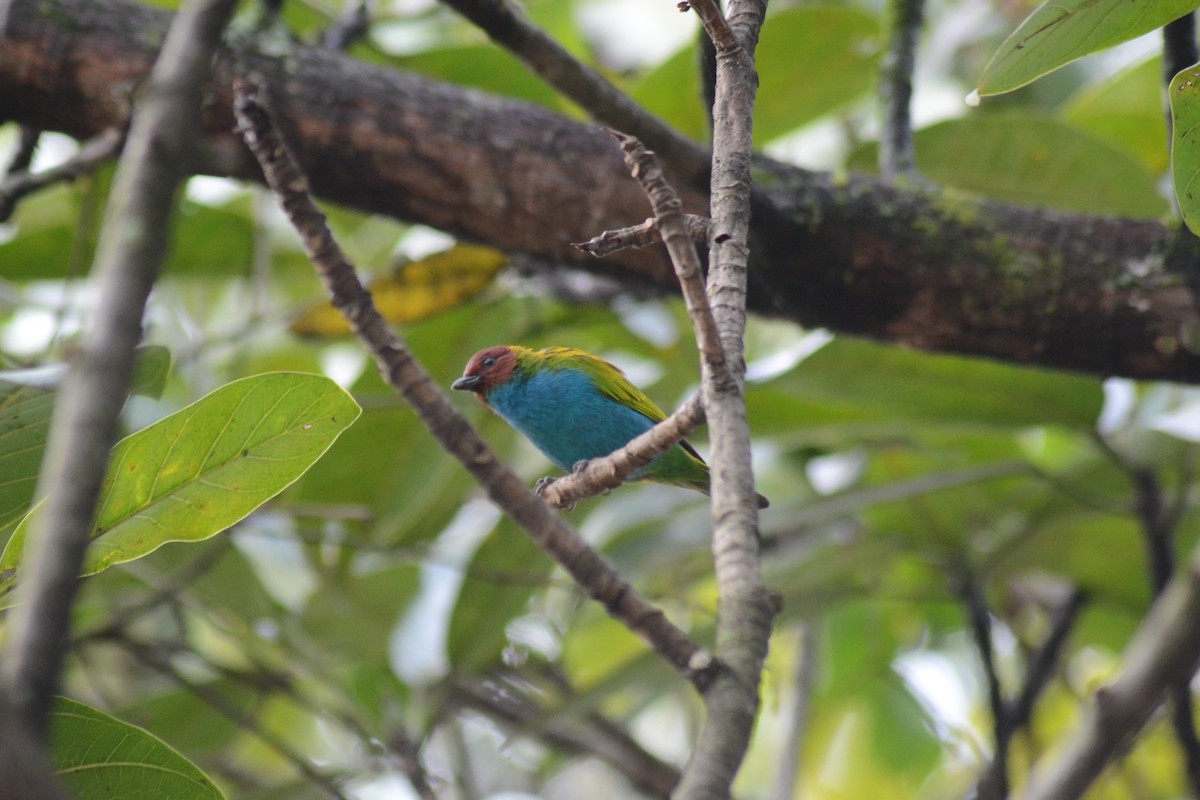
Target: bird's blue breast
[(566, 416)]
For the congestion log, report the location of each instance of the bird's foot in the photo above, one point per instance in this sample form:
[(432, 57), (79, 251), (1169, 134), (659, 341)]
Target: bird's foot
[(580, 466), (540, 487)]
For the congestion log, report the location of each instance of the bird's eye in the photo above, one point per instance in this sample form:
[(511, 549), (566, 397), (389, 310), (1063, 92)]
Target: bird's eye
[(489, 362)]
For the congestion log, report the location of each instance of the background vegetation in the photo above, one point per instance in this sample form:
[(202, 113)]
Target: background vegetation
[(962, 547)]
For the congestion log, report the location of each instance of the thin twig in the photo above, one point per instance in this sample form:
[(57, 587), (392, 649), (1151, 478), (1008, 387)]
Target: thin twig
[(92, 155), (1042, 665), (895, 88), (668, 215), (84, 427), (1179, 46), (152, 658), (22, 156), (351, 25), (592, 572), (995, 785), (504, 22), (516, 711), (641, 235)]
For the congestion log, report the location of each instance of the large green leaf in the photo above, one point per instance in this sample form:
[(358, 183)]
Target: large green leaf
[(207, 240), (899, 384), (101, 758), (204, 468), (352, 616), (811, 61), (24, 424), (485, 67), (1125, 110), (1032, 160), (1060, 31), (1185, 143)]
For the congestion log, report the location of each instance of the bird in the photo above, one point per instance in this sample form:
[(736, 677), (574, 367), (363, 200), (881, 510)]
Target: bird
[(574, 406)]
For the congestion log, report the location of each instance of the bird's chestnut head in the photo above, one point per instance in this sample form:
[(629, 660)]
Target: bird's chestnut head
[(486, 370)]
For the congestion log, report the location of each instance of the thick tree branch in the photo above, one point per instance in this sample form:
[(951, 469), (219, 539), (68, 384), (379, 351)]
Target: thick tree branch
[(84, 427), (590, 571), (919, 266)]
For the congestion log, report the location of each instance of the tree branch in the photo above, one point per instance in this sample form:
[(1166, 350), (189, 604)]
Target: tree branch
[(1159, 535), (642, 235), (1179, 47), (895, 89), (1163, 651), (212, 698), (599, 738), (504, 22), (744, 612), (92, 155), (609, 472), (917, 266), (995, 783), (591, 572), (84, 426), (1018, 711)]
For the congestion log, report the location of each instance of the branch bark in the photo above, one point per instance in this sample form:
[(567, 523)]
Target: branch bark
[(917, 265), (1164, 651), (588, 568), (744, 612)]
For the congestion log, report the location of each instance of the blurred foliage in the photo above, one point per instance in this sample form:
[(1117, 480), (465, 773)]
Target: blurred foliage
[(379, 605)]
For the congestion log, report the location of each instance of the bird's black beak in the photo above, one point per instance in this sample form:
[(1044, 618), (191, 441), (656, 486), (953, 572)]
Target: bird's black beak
[(467, 383)]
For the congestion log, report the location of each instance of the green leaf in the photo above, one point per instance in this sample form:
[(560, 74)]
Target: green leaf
[(813, 61), (505, 572), (900, 384), (150, 374), (840, 45), (485, 67), (99, 756), (1184, 94), (1060, 31), (1125, 110), (1032, 160), (24, 424), (353, 618), (204, 468)]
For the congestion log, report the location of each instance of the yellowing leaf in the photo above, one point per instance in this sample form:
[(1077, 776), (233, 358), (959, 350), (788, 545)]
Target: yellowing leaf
[(415, 291)]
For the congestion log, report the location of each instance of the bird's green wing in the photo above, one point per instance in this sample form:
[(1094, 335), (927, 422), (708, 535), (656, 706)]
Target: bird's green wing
[(612, 383), (608, 378)]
